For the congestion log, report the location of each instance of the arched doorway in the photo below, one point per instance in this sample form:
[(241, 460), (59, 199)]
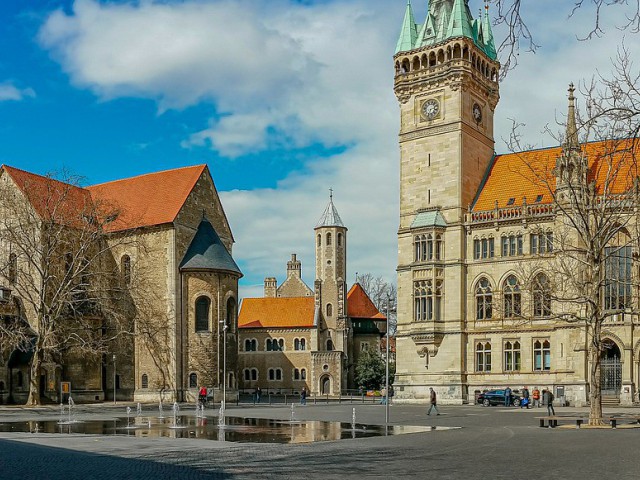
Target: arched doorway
[(325, 385), (611, 369)]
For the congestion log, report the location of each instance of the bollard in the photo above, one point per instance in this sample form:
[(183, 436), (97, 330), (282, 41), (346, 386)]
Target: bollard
[(285, 399), (269, 398), (315, 399), (327, 398), (351, 399), (363, 398)]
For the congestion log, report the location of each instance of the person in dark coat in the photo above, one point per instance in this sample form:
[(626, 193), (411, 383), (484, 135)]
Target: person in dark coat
[(434, 401)]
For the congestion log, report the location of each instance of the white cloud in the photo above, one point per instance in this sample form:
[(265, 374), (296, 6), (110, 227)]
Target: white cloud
[(8, 91), (304, 73)]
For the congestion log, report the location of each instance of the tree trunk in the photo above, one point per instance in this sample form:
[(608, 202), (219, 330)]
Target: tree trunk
[(34, 377), (595, 394)]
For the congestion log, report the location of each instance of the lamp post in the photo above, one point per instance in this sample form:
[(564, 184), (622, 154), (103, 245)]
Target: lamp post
[(386, 373), (224, 365), (114, 378)]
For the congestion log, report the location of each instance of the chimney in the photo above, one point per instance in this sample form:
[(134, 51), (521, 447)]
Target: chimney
[(270, 287), (294, 268)]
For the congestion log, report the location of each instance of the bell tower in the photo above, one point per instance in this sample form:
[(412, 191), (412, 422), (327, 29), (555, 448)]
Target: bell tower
[(446, 82)]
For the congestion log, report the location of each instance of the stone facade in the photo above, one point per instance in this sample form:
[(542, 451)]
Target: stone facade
[(454, 254), (169, 357)]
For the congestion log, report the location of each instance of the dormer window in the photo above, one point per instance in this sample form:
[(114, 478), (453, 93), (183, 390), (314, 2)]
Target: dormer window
[(511, 201), (539, 198)]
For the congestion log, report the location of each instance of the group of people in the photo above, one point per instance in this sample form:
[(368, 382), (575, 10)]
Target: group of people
[(532, 398)]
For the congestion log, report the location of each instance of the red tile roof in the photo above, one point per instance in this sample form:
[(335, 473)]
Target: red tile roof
[(359, 305), (530, 174), (294, 312), (51, 198), (147, 200)]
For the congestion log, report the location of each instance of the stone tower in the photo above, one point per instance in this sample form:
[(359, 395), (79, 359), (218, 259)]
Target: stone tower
[(330, 292), (446, 81)]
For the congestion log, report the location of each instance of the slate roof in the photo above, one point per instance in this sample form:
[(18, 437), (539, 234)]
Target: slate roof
[(530, 174), (279, 312), (330, 217), (431, 218), (207, 252)]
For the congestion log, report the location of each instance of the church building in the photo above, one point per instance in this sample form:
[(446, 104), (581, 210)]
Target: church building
[(296, 337), (476, 233)]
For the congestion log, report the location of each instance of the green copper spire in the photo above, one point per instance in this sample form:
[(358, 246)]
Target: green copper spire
[(487, 34), (460, 21), (409, 32)]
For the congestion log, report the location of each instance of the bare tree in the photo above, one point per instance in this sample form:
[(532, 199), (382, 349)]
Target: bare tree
[(69, 295), (383, 294), (510, 15), (592, 225)]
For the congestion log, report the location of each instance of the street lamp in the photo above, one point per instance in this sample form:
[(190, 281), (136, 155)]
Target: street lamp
[(224, 365), (386, 374), (114, 378)]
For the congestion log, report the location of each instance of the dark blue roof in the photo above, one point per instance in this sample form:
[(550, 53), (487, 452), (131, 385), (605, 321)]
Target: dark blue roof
[(207, 252)]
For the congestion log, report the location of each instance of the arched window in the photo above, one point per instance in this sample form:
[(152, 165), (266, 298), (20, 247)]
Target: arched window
[(427, 300), (269, 346), (202, 314), (512, 356), (484, 300), (231, 314), (429, 252), (512, 297), (254, 374), (247, 374), (281, 345), (329, 345), (145, 381), (303, 374), (329, 310), (541, 296), (125, 269), (193, 380), (483, 357), (319, 240), (542, 355), (13, 268), (250, 345), (439, 250), (303, 344), (328, 238), (618, 273), (339, 239), (296, 374)]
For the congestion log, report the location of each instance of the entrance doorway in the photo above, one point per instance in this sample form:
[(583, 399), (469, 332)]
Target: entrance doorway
[(326, 385), (611, 369)]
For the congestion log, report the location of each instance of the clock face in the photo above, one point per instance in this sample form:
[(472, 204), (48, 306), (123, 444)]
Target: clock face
[(430, 109), (477, 113)]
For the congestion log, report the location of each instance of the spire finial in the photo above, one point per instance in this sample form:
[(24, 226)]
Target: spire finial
[(572, 128), (331, 194)]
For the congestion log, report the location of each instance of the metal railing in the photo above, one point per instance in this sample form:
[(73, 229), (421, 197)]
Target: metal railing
[(282, 396)]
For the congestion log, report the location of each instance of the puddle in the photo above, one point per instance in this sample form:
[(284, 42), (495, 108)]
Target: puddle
[(237, 429)]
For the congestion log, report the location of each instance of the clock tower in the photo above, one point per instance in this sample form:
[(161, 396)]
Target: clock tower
[(446, 82)]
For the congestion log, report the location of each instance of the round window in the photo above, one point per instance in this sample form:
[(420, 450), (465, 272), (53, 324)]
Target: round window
[(325, 367)]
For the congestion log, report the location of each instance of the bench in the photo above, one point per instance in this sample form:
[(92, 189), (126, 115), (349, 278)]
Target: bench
[(613, 420), (552, 421)]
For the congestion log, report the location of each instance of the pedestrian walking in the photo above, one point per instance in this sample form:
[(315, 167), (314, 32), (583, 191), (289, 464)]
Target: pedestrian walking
[(434, 401), (258, 394), (547, 397), (536, 397), (383, 398), (303, 396), (525, 398), (507, 397), (202, 396)]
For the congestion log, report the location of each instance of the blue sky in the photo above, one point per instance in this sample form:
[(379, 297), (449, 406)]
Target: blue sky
[(282, 99)]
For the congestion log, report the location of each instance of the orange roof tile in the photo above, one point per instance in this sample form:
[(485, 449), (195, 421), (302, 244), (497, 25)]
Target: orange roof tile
[(51, 198), (147, 200), (294, 312), (359, 305), (530, 174)]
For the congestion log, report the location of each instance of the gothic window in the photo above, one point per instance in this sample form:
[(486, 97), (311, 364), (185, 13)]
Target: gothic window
[(429, 251), (541, 243), (202, 314), (483, 357), (329, 345), (125, 269), (329, 310), (193, 380), (541, 355), (541, 296), (512, 245), (231, 314), (439, 247), (484, 300), (319, 240), (512, 356), (145, 381), (427, 300), (303, 374), (512, 298), (328, 239), (339, 239), (483, 248), (13, 268), (618, 284)]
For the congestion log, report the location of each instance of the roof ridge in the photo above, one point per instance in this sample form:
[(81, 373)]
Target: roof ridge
[(202, 166), (560, 146), (43, 177)]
